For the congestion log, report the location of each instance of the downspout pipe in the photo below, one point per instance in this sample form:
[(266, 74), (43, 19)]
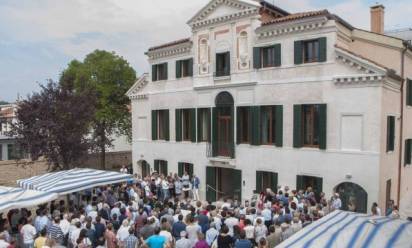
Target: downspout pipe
[(406, 45)]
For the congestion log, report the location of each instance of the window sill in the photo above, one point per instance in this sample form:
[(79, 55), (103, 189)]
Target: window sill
[(221, 78), (390, 152)]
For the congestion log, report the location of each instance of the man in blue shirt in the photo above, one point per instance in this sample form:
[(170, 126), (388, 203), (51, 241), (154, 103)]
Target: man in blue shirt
[(178, 227), (156, 241)]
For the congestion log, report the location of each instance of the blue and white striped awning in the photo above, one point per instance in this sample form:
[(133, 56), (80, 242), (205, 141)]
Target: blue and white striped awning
[(348, 229), (65, 182), (12, 198)]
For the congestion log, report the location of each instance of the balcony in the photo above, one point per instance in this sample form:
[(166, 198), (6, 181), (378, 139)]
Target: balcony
[(223, 150)]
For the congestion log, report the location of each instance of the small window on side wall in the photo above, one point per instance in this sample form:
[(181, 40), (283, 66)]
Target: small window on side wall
[(310, 51), (184, 68)]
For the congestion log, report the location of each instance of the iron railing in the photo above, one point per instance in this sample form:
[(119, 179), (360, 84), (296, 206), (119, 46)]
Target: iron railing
[(220, 149)]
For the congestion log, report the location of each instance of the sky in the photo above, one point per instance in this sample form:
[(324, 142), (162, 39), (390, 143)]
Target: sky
[(38, 38)]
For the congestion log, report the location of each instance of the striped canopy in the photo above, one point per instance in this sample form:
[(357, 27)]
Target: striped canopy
[(11, 198), (65, 182), (348, 229)]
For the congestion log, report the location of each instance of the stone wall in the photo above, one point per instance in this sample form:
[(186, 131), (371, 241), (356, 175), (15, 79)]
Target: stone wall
[(114, 160)]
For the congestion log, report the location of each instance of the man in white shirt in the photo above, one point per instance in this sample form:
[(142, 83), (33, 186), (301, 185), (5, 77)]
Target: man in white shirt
[(336, 203), (3, 243), (28, 233), (211, 234), (75, 233), (65, 225), (231, 222), (167, 235), (183, 242)]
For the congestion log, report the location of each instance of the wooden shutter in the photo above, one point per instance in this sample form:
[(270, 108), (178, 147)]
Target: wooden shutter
[(299, 183), (210, 183), (318, 186), (178, 69), (227, 64), (214, 132), (256, 58), (154, 73), (278, 55), (258, 182), (390, 137), (154, 124), (237, 182), (192, 124), (322, 126), (297, 126), (298, 53), (178, 122), (322, 49), (156, 166), (163, 168), (408, 151), (278, 125), (409, 92), (190, 172), (166, 125), (232, 132), (180, 169), (208, 125), (199, 124), (190, 67), (256, 128), (238, 134), (274, 181), (165, 71)]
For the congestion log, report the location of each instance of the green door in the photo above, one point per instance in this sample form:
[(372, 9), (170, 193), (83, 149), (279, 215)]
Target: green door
[(211, 184), (237, 181)]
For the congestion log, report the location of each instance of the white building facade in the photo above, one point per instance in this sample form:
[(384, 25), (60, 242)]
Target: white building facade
[(259, 98)]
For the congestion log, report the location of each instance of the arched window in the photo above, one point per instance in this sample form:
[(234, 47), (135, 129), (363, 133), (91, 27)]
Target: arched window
[(224, 99)]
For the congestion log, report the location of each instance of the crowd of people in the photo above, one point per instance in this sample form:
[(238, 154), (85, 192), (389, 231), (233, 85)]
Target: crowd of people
[(164, 211)]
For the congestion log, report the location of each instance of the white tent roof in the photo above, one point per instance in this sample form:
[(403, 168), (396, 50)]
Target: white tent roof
[(65, 182), (348, 229), (11, 198)]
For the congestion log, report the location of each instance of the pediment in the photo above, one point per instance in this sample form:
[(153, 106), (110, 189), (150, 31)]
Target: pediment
[(220, 8), (138, 86)]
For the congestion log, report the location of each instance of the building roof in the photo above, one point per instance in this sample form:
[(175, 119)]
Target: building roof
[(297, 16), (404, 34), (169, 44), (274, 8)]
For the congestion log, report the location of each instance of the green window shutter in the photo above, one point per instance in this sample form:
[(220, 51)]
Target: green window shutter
[(298, 52), (237, 182), (256, 129), (297, 126), (180, 169), (154, 73), (154, 124), (408, 151), (274, 181), (208, 125), (322, 49), (390, 140), (238, 125), (164, 169), (409, 92), (178, 69), (165, 71), (193, 125), (258, 182), (256, 58), (199, 125), (167, 126), (299, 183), (278, 55), (232, 131), (190, 67), (278, 125), (227, 65), (322, 126), (190, 172), (210, 183), (214, 132), (318, 186), (178, 117), (156, 166)]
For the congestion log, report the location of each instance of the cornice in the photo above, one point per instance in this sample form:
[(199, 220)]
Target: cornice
[(185, 48), (133, 93), (290, 28)]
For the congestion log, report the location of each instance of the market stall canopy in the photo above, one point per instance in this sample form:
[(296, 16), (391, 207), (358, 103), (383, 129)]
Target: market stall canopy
[(68, 181), (12, 198), (348, 229)]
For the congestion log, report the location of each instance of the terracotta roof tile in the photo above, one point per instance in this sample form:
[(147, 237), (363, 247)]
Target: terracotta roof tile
[(297, 16), (169, 44)]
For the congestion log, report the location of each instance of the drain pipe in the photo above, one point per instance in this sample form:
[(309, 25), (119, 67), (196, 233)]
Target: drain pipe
[(405, 44)]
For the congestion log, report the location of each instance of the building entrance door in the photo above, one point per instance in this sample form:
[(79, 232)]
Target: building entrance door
[(224, 136), (218, 187)]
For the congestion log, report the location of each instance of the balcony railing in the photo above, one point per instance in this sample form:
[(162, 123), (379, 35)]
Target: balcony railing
[(220, 149)]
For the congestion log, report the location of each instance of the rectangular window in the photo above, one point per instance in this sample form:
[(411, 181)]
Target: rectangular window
[(310, 125), (184, 68), (203, 124), (186, 125), (390, 134), (266, 180), (243, 118), (223, 64), (268, 125), (160, 166), (311, 51), (408, 151), (268, 57), (409, 92), (13, 152), (160, 124), (185, 167), (159, 72), (186, 121)]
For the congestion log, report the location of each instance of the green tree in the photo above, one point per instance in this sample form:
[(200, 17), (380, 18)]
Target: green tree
[(109, 76)]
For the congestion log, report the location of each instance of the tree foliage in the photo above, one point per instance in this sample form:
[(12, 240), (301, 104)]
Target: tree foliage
[(54, 124), (109, 76)]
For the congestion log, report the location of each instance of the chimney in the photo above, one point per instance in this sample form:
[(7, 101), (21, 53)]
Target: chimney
[(377, 18)]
